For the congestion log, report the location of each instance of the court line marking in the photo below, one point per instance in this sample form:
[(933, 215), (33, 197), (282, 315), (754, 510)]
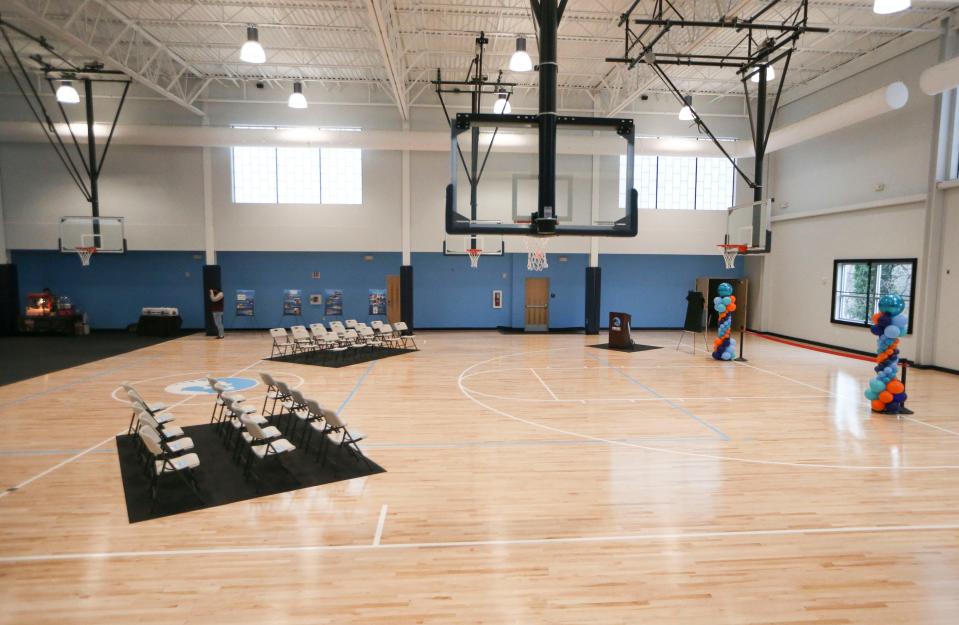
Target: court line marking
[(356, 387), (532, 442), (785, 377), (44, 452), (635, 399), (677, 452), (670, 403), (546, 386), (201, 373), (930, 425), (559, 540), (50, 470), (379, 526)]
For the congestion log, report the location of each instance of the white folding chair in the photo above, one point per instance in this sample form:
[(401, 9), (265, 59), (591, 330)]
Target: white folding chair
[(154, 408), (401, 327), (281, 342), (351, 324), (302, 340), (165, 463), (263, 443), (336, 433)]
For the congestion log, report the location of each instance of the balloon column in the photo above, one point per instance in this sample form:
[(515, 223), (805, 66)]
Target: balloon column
[(724, 347), (886, 392)]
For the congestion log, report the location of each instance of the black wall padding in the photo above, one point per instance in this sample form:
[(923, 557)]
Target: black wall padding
[(211, 280), (406, 295), (593, 291), (9, 299)]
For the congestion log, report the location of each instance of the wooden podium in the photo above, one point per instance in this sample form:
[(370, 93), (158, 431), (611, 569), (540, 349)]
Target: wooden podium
[(619, 337)]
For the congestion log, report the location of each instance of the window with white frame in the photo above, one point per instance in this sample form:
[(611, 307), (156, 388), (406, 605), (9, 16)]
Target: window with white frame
[(680, 182), (342, 175), (263, 175)]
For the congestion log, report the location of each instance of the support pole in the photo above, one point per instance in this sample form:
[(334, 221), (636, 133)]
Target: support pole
[(548, 25), (406, 241), (209, 235), (92, 151), (211, 280), (9, 288)]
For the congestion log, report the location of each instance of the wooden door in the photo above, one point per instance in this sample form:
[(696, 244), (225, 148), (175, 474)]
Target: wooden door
[(393, 299), (537, 304)]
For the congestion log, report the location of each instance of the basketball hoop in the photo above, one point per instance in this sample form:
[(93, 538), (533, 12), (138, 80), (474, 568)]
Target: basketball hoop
[(730, 251), (536, 253), (85, 253), (474, 255)]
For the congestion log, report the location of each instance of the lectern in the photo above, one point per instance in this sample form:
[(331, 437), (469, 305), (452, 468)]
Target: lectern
[(619, 337)]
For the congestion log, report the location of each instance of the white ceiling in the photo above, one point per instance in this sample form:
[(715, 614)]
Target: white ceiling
[(178, 47)]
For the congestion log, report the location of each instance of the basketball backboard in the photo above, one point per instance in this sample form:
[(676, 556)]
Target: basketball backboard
[(103, 233), (748, 225)]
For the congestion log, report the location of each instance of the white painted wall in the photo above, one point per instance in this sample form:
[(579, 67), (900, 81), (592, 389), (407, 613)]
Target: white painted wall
[(797, 276), (947, 320)]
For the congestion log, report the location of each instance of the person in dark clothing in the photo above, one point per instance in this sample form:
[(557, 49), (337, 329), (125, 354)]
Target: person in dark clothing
[(216, 307)]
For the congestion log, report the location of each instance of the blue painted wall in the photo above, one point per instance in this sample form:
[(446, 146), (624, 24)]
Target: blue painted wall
[(270, 273), (114, 288), (652, 288), (447, 293)]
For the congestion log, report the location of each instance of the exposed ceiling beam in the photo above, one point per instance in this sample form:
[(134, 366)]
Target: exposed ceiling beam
[(383, 22), (128, 48)]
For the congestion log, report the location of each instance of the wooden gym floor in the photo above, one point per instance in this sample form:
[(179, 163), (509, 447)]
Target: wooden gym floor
[(531, 479)]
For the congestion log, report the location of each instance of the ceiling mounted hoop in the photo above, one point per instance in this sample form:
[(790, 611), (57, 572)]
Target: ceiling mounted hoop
[(474, 256), (85, 254), (536, 253), (730, 251)]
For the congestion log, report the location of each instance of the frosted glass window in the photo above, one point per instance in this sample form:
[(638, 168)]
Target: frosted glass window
[(342, 172), (254, 175), (644, 180), (714, 184), (676, 183), (298, 175)]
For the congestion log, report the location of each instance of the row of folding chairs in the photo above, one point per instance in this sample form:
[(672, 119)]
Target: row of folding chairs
[(340, 338), (163, 447)]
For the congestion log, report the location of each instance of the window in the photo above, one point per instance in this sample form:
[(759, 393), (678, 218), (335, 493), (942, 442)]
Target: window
[(297, 175), (342, 175), (680, 182), (859, 284)]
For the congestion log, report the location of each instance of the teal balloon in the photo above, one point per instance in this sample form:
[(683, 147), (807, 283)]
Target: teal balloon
[(725, 289), (721, 308), (892, 304), (877, 385), (871, 394), (727, 301)]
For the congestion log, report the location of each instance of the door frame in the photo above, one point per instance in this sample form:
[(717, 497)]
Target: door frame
[(526, 306)]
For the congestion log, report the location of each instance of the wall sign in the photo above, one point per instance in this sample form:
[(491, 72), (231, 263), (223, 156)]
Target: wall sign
[(292, 302), (334, 303), (377, 301), (244, 302)]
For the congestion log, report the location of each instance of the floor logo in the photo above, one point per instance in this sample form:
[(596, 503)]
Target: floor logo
[(201, 386)]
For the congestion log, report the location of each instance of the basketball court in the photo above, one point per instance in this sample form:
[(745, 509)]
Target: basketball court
[(479, 312)]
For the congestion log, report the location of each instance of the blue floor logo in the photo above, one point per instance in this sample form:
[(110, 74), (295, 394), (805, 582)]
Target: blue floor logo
[(202, 387)]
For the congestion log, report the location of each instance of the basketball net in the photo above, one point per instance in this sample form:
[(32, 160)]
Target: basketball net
[(536, 253), (474, 255), (730, 252), (85, 253)]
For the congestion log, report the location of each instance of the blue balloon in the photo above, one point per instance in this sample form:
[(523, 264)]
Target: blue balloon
[(725, 289), (877, 385), (884, 321), (893, 406), (900, 321), (727, 356), (892, 332), (892, 304), (717, 301), (877, 330), (899, 397)]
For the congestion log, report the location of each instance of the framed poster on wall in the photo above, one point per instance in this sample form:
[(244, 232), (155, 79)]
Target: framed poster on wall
[(292, 302), (244, 302), (334, 303), (497, 299), (377, 301)]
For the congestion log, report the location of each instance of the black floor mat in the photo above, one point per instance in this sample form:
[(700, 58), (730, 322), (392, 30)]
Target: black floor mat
[(221, 480), (342, 359), (635, 348), (39, 355)]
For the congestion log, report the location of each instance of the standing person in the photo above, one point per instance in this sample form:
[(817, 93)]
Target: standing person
[(216, 307)]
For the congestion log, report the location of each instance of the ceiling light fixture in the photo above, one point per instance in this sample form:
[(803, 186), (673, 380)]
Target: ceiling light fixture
[(501, 105), (297, 99), (686, 113), (252, 51), (520, 61), (67, 94), (770, 74), (885, 7)]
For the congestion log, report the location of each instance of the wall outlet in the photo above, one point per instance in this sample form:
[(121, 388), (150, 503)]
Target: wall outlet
[(880, 187)]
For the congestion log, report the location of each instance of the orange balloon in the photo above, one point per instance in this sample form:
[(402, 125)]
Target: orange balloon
[(895, 387), (878, 406), (732, 298), (731, 308), (875, 317), (885, 397)]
